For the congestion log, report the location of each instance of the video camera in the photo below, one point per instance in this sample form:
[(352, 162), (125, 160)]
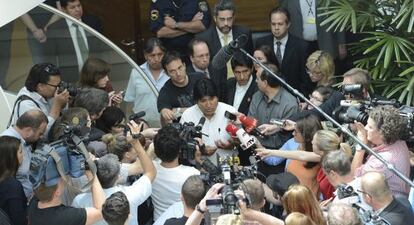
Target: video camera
[(232, 176), (66, 158), (188, 132), (368, 217)]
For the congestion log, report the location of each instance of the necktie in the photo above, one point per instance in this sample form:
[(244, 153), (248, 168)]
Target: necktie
[(229, 69), (279, 52), (81, 43)]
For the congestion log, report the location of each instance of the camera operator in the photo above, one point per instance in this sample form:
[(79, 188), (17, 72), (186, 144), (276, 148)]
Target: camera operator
[(192, 192), (337, 167), (29, 128), (171, 175), (108, 171), (383, 132), (343, 214), (377, 193), (41, 91), (217, 142), (47, 208)]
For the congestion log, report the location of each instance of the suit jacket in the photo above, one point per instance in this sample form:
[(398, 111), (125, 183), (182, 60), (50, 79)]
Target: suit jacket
[(218, 77), (293, 62), (397, 214), (214, 45), (245, 103), (327, 41), (60, 50)]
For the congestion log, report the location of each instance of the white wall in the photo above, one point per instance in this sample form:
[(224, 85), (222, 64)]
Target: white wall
[(11, 9)]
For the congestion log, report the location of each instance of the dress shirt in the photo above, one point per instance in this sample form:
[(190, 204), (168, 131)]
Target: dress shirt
[(72, 31), (221, 37), (282, 46), (162, 78), (196, 69), (308, 10)]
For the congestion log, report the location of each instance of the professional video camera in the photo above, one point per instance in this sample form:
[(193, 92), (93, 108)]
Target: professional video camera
[(66, 158), (188, 132), (368, 217), (232, 176), (72, 89)]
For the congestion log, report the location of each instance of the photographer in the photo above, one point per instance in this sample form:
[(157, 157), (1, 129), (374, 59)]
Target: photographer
[(217, 142), (377, 193), (108, 170), (47, 208), (41, 91), (171, 175), (29, 128), (383, 133)]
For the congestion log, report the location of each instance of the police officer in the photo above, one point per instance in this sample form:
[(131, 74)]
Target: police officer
[(176, 21)]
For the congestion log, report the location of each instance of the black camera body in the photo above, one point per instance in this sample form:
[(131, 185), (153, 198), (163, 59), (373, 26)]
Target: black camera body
[(188, 132), (72, 89)]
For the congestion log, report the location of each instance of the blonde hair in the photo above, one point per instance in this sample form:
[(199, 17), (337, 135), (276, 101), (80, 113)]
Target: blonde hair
[(327, 140), (325, 63), (297, 218), (301, 199), (229, 219), (117, 144)]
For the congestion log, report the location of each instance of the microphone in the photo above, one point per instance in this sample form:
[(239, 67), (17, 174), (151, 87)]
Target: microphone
[(226, 52), (250, 124), (246, 141), (200, 124), (136, 116)]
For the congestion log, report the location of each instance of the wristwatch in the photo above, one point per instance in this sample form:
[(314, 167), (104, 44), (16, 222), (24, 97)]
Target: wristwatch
[(135, 136), (199, 209)]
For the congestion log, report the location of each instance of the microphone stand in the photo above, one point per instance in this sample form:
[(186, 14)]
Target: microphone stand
[(390, 166)]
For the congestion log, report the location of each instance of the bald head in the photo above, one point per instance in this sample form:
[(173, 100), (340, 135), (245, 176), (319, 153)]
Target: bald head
[(374, 184), (32, 118), (342, 214)]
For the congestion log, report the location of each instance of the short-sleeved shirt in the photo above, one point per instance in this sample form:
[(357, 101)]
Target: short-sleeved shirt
[(62, 215), (172, 96), (180, 11)]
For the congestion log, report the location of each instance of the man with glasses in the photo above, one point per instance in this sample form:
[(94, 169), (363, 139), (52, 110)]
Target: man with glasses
[(41, 91)]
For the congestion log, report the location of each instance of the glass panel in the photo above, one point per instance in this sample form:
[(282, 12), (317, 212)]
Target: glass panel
[(67, 48)]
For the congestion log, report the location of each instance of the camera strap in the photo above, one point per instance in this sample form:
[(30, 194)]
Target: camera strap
[(66, 178), (17, 102)]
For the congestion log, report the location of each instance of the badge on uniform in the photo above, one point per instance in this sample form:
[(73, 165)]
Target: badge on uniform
[(154, 14), (202, 5)]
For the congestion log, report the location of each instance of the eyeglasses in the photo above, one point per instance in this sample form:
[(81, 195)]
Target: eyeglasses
[(363, 192), (308, 71), (53, 85)]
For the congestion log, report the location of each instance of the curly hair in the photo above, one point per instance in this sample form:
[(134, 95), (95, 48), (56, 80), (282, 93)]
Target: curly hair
[(389, 123), (117, 144), (323, 62)]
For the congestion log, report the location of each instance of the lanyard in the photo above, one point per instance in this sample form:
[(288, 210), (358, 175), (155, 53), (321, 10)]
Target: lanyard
[(310, 3)]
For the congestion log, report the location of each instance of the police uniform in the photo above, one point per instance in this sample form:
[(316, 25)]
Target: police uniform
[(180, 11)]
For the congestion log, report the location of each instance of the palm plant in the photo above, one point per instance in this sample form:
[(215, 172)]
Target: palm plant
[(387, 47)]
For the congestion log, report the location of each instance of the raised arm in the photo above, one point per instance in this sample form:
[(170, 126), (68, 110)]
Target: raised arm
[(297, 155)]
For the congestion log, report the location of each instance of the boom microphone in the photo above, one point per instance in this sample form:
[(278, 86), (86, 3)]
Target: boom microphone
[(226, 52)]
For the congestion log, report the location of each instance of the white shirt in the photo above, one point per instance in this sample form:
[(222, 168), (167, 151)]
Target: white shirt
[(162, 78), (308, 10), (166, 187), (144, 99), (72, 31), (221, 37), (240, 92), (215, 127), (282, 46), (136, 194), (26, 105), (176, 210)]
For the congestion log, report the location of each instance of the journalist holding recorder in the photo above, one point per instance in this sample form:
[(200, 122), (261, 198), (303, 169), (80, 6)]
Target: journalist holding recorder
[(383, 133)]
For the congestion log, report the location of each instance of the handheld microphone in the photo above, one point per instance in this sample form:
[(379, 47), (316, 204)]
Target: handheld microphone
[(136, 116), (250, 124), (226, 52), (200, 124), (246, 141)]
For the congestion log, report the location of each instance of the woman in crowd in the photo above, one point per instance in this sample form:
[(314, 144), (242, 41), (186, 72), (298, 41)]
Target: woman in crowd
[(111, 121), (319, 96), (384, 132), (95, 73), (301, 199), (320, 68), (264, 55), (13, 201)]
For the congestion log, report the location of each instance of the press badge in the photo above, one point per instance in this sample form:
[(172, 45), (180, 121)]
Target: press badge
[(311, 20)]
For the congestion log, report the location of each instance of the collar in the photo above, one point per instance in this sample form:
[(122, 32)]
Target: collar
[(34, 95), (277, 98), (70, 22), (16, 134), (283, 40), (199, 70)]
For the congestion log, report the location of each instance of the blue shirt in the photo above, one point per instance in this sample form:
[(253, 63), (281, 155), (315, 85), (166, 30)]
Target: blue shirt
[(23, 172), (290, 145)]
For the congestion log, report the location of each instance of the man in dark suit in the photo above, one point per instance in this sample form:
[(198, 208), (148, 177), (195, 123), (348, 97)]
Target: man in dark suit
[(289, 52), (68, 44), (377, 194), (200, 62), (223, 32), (242, 86)]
